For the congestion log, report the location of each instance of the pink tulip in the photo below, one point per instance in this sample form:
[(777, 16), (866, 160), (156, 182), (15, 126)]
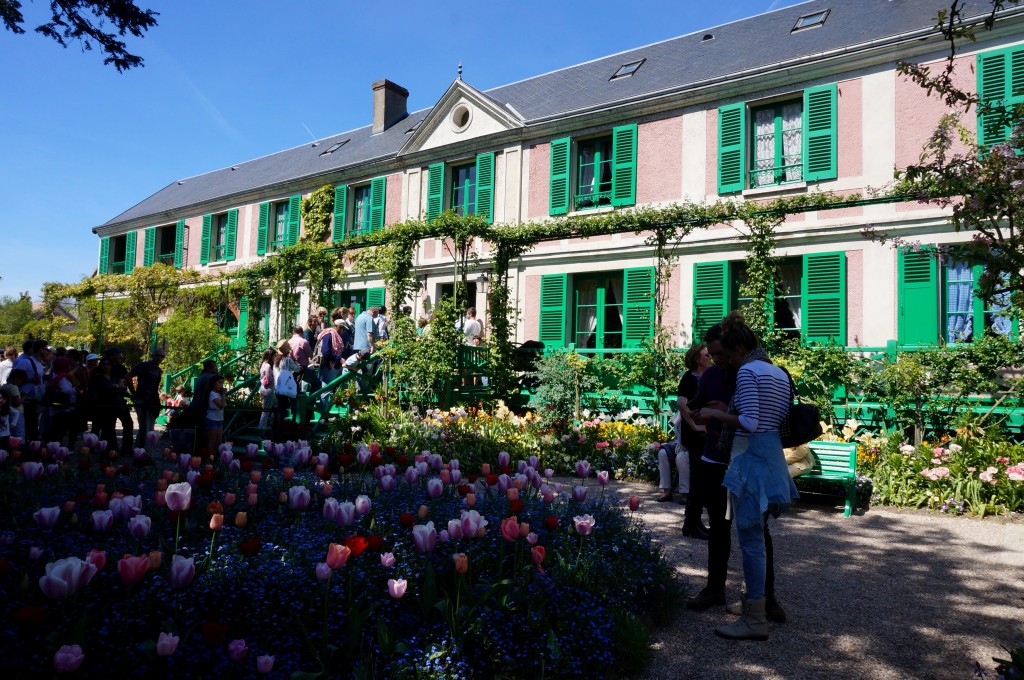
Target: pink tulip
[(323, 571), (602, 477), (579, 493), (510, 528), (363, 454), (435, 487), (549, 497), (411, 475), (337, 555), (1016, 472), (537, 554), (424, 537), (166, 644), (387, 560), (47, 517), (583, 468), (237, 649), (461, 563), (132, 568), (216, 522), (346, 514), (584, 524), (264, 664), (102, 520), (549, 473), (178, 497), (512, 494), (66, 577), (183, 570), (139, 526), (454, 529), (396, 587), (531, 538), (473, 524), (330, 511), (31, 470), (229, 499), (634, 503), (298, 498), (387, 483), (363, 504), (34, 553), (68, 658), (97, 558)]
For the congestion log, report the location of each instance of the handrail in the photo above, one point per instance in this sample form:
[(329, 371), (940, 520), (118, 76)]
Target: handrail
[(196, 368), (305, 398), (249, 383)]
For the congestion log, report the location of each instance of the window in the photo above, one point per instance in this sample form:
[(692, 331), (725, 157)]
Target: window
[(810, 303), (463, 195), (467, 188), (627, 70), (447, 291), (263, 308), (218, 241), (334, 147), (367, 202), (1001, 88), (810, 20), (119, 251), (351, 298), (938, 299), (595, 172), (790, 141), (278, 225), (776, 144), (597, 311), (165, 244), (287, 316)]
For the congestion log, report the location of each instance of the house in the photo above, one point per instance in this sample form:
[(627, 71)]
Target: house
[(801, 99)]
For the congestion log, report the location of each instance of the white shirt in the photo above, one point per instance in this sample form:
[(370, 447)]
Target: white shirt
[(472, 327), (5, 369)]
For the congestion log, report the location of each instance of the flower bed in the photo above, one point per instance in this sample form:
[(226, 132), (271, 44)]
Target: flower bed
[(369, 563)]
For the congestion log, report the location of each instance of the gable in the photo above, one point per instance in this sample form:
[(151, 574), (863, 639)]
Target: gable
[(461, 115)]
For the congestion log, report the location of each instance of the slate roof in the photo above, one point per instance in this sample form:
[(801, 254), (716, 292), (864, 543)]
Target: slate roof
[(673, 64)]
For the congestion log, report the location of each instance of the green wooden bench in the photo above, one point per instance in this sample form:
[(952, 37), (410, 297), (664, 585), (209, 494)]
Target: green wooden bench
[(836, 462)]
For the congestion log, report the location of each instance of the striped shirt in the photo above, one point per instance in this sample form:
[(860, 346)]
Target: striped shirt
[(762, 398)]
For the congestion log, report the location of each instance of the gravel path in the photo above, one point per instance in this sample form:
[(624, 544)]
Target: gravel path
[(882, 594)]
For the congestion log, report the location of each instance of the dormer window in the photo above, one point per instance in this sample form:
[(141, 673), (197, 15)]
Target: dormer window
[(810, 20), (627, 70)]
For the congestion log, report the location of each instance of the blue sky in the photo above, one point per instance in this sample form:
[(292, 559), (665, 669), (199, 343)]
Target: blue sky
[(225, 82)]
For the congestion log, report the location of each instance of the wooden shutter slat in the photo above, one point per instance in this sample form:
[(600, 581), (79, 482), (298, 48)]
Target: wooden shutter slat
[(230, 236), (824, 298), (294, 215), (732, 148), (340, 213), (435, 190), (378, 194), (179, 244), (560, 194), (149, 247), (710, 296), (820, 138), (129, 252), (624, 165), (918, 292), (375, 297), (638, 311), (553, 296), (485, 186), (204, 243), (243, 322), (104, 264), (263, 229)]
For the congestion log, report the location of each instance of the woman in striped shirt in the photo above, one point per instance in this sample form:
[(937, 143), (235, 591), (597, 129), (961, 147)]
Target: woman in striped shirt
[(758, 479)]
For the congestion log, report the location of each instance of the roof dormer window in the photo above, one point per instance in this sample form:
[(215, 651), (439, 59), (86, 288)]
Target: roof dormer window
[(810, 20), (629, 69)]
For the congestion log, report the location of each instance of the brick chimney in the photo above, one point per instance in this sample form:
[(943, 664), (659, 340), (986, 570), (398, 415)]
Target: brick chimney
[(389, 104)]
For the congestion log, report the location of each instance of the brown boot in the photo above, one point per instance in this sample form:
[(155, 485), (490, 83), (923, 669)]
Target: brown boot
[(752, 624), (665, 496), (706, 599), (773, 610)]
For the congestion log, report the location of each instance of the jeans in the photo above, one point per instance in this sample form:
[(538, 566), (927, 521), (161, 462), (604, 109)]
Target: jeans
[(758, 559)]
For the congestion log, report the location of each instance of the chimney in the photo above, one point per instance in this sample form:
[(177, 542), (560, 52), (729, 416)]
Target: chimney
[(389, 104)]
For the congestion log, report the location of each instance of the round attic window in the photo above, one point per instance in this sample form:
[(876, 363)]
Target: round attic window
[(461, 117)]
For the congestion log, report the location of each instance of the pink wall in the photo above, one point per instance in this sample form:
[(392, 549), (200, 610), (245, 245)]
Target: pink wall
[(540, 174), (670, 319), (659, 173), (596, 237), (854, 297), (429, 246), (917, 114), (531, 308), (711, 163), (850, 112), (393, 199)]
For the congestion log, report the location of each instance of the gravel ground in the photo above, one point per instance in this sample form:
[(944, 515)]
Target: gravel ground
[(882, 594)]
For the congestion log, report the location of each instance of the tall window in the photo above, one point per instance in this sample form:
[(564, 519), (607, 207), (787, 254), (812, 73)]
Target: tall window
[(264, 310), (786, 300), (278, 226), (594, 173), (118, 254), (219, 238), (778, 139), (361, 211), (165, 244), (464, 189), (598, 318), (966, 313)]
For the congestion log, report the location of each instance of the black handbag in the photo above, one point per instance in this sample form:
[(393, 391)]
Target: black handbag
[(802, 423)]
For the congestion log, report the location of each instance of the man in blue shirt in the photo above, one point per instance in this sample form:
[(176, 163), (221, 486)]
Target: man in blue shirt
[(366, 335)]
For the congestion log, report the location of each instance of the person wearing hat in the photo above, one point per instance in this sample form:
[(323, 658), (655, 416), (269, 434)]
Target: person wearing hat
[(144, 385)]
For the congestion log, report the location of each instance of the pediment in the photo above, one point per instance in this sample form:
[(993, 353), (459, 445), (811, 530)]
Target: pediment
[(463, 113)]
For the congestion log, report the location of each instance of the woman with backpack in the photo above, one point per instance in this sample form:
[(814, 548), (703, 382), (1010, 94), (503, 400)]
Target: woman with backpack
[(267, 393)]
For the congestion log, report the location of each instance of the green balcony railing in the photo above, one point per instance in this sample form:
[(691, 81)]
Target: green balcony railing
[(779, 174), (590, 200)]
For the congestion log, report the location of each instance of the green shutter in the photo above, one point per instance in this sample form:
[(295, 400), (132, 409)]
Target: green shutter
[(560, 195), (918, 292), (294, 213), (824, 298), (732, 148), (179, 244), (1001, 86), (435, 190), (553, 291), (204, 244), (819, 138), (624, 165), (231, 236), (149, 247), (710, 296), (104, 266), (378, 193), (374, 297), (263, 229), (243, 323), (129, 252), (340, 210), (485, 186), (638, 314)]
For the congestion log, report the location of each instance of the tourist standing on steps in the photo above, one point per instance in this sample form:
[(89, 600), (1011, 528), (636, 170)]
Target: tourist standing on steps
[(691, 437), (471, 326), (143, 383), (758, 478), (381, 322), (267, 395), (332, 345)]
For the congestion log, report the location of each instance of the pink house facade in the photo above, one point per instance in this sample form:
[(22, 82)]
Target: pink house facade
[(794, 101)]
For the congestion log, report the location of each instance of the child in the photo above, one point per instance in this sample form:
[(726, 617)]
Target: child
[(12, 388), (215, 414)]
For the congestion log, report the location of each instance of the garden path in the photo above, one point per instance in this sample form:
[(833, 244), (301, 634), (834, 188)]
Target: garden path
[(882, 594)]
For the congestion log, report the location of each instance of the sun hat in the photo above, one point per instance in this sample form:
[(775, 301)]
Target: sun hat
[(284, 347), (92, 357)]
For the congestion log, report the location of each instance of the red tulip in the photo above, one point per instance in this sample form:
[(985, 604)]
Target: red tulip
[(356, 544), (132, 568), (250, 546), (551, 523), (510, 528)]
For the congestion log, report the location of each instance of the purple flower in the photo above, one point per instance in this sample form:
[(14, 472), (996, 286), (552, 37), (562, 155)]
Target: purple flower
[(68, 658), (583, 468), (47, 517), (387, 560), (264, 664), (579, 493), (424, 537), (435, 487), (602, 477), (363, 504), (396, 587), (66, 577), (298, 497), (237, 649), (139, 526), (346, 514), (102, 520), (584, 524)]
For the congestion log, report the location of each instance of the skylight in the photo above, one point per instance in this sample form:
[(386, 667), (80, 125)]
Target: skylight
[(629, 69), (334, 147), (811, 20)]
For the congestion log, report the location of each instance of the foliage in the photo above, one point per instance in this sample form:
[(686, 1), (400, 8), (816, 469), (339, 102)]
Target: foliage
[(563, 383), (187, 338), (15, 314), (70, 22), (317, 211), (386, 601)]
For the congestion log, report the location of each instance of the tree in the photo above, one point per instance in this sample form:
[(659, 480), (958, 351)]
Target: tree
[(15, 314), (71, 21)]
